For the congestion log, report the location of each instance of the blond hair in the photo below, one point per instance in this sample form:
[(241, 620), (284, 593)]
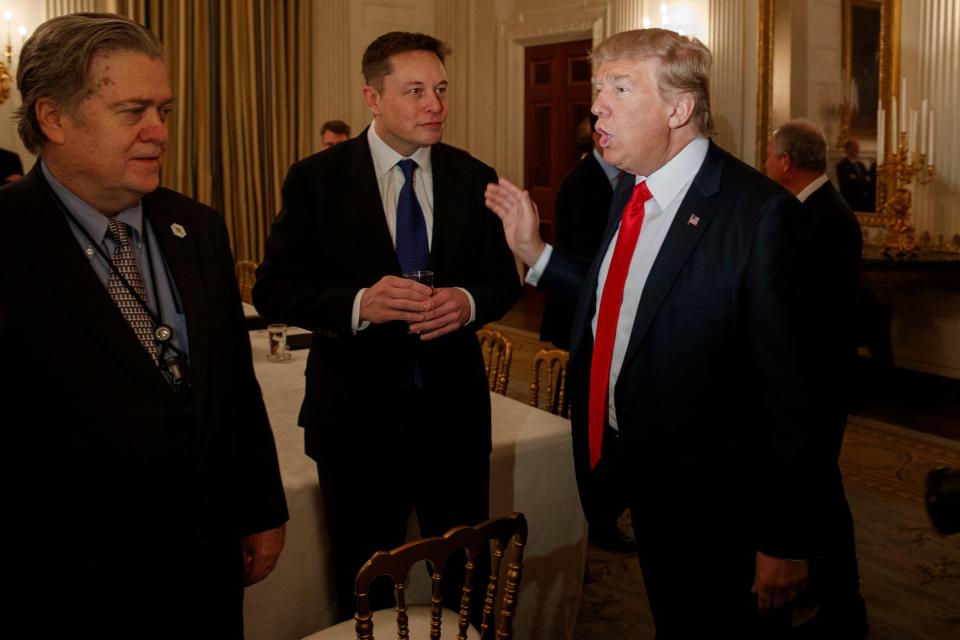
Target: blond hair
[(684, 65)]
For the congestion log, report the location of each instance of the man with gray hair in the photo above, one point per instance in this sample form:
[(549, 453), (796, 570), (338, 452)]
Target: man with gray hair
[(797, 159), (140, 476), (688, 348)]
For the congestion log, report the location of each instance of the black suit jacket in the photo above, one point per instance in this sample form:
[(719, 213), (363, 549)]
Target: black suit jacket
[(9, 165), (712, 398), (855, 184), (836, 272), (583, 209), (109, 485), (330, 240)]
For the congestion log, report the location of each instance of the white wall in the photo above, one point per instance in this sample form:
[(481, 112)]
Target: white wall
[(29, 14)]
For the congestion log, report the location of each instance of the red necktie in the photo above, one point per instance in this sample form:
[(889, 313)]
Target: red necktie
[(609, 313)]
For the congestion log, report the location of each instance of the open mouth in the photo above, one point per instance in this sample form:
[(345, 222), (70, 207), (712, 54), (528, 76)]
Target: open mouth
[(605, 137)]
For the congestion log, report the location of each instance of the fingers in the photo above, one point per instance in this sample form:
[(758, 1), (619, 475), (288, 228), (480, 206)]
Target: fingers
[(395, 298)]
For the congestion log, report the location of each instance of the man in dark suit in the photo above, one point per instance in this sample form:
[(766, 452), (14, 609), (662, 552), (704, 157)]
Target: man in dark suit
[(854, 179), (11, 168), (797, 159), (687, 353), (140, 477), (397, 408), (583, 207)]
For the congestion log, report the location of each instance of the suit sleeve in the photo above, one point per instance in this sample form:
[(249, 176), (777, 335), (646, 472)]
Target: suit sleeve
[(290, 286), (495, 285), (260, 488), (777, 307)]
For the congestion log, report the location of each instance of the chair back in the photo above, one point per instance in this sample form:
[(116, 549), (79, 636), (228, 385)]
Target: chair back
[(246, 271), (497, 353), (493, 537), (550, 373)]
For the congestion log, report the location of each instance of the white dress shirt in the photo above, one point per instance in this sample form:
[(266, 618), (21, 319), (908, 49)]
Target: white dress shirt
[(813, 186), (668, 185), (390, 180)]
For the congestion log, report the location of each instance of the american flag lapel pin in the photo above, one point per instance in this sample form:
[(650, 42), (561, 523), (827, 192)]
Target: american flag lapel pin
[(693, 220)]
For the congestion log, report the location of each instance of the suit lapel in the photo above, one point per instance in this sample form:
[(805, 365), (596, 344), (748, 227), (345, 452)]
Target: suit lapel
[(182, 257), (61, 263), (587, 308), (690, 223), (371, 228), (449, 189)]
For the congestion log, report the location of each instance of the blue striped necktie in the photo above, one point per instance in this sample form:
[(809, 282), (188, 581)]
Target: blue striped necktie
[(413, 252)]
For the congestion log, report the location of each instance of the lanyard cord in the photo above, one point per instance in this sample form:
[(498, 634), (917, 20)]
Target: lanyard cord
[(155, 316)]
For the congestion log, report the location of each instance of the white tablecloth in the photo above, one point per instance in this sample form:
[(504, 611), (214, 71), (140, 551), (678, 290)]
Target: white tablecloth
[(531, 471)]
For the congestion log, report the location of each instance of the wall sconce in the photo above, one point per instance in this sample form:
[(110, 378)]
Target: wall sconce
[(6, 64)]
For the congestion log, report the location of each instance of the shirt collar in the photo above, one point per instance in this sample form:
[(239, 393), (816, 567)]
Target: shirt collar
[(813, 186), (611, 171), (669, 180), (385, 158), (94, 222)]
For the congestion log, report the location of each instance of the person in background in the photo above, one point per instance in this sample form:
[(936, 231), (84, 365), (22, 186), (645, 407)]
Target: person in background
[(334, 132), (797, 159), (854, 179), (583, 207), (397, 408), (689, 346), (11, 169), (140, 476)]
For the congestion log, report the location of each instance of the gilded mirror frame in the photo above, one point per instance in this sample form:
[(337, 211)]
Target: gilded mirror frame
[(890, 12)]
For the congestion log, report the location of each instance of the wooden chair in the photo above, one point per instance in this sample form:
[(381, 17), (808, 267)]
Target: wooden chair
[(552, 365), (246, 271), (493, 537), (497, 353)]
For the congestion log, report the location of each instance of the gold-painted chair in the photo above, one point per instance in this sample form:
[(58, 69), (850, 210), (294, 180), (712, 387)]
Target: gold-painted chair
[(497, 353), (246, 271), (550, 367), (500, 537)]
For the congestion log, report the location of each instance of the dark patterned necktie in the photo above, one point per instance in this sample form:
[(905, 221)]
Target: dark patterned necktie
[(413, 251), (125, 264)]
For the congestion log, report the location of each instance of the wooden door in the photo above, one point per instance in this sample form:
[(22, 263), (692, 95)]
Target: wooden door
[(557, 98)]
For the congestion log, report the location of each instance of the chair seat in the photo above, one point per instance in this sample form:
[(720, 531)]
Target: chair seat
[(385, 626)]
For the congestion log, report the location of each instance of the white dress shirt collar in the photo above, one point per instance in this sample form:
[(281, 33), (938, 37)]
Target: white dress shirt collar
[(672, 178), (386, 158), (810, 188)]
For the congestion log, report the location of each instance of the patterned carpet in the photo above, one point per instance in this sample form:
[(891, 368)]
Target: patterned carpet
[(910, 575)]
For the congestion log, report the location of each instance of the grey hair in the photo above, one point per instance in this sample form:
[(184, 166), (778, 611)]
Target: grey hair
[(804, 142), (684, 65), (55, 63)]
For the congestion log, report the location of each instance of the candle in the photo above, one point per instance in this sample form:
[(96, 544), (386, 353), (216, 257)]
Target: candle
[(932, 138), (912, 131), (903, 104), (924, 106), (894, 128), (880, 123)]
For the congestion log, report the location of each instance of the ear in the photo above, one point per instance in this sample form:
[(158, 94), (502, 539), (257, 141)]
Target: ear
[(372, 99), (682, 111), (51, 119), (785, 162)]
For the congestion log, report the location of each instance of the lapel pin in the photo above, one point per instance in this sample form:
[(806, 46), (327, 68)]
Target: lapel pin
[(178, 230), (693, 220)]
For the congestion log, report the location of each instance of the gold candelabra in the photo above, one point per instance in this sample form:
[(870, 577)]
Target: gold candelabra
[(897, 171)]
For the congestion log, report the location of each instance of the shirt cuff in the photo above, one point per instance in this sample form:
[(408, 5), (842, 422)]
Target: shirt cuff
[(536, 271), (355, 325), (473, 305)]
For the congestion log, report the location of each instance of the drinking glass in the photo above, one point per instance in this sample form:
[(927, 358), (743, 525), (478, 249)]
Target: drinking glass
[(277, 335)]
